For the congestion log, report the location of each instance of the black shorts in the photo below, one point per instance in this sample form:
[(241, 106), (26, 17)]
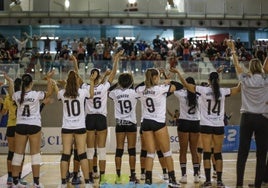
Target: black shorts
[(125, 126), (11, 131), (188, 126), (211, 130), (96, 122), (25, 129), (73, 131), (151, 125)]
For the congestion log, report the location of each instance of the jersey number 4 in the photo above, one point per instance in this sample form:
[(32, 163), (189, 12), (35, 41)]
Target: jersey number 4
[(26, 111)]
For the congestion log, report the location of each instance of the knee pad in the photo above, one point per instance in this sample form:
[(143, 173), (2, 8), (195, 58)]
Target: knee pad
[(95, 152), (218, 156), (90, 153), (82, 156), (119, 152), (199, 150), (150, 155), (167, 154), (102, 154), (143, 153), (76, 158), (65, 157), (159, 154), (36, 159), (132, 151), (10, 155), (212, 150), (206, 155), (17, 159)]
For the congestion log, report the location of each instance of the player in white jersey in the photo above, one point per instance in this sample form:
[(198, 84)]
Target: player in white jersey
[(28, 127), (153, 100), (125, 100), (73, 124), (188, 129), (211, 103), (96, 123)]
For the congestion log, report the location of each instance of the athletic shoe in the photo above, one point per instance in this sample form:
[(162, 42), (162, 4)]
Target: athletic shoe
[(183, 179), (9, 181), (133, 179), (142, 176), (22, 181), (207, 184), (173, 184), (196, 178), (220, 184), (89, 185), (214, 174), (76, 181), (95, 175), (118, 180), (165, 176), (19, 185)]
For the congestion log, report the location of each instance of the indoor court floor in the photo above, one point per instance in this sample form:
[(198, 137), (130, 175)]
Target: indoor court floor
[(50, 171)]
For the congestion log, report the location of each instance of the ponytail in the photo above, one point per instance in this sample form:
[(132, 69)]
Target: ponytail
[(26, 81), (214, 79), (191, 97)]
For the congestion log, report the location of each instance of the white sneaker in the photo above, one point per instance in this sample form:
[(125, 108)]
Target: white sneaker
[(196, 179), (37, 186), (183, 179), (165, 177), (19, 185)]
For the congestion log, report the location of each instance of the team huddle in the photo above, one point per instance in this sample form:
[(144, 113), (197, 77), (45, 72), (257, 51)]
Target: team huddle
[(84, 124)]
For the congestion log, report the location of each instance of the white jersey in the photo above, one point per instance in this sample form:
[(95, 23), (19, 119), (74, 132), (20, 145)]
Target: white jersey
[(73, 109), (97, 105), (153, 101), (187, 112), (29, 111), (211, 111), (125, 101)]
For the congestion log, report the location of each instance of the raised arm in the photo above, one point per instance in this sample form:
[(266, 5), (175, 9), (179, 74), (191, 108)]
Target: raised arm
[(115, 64), (237, 89), (50, 84), (189, 87), (238, 68), (92, 84), (10, 85)]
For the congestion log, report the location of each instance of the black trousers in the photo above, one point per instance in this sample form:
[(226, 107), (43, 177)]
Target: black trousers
[(257, 125)]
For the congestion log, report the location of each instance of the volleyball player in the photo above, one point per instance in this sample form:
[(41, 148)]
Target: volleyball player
[(153, 100), (28, 127), (212, 102), (125, 100), (9, 107), (73, 123), (188, 129), (254, 87), (96, 109)]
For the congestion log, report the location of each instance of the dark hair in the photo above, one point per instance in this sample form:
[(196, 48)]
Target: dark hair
[(191, 97), (71, 89), (214, 79), (95, 70), (125, 80), (26, 81), (17, 84), (149, 74)]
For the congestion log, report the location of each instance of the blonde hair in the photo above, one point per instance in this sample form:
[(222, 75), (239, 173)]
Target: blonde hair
[(149, 77), (255, 66)]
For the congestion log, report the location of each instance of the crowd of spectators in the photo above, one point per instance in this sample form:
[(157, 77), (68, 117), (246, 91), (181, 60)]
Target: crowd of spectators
[(139, 54)]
